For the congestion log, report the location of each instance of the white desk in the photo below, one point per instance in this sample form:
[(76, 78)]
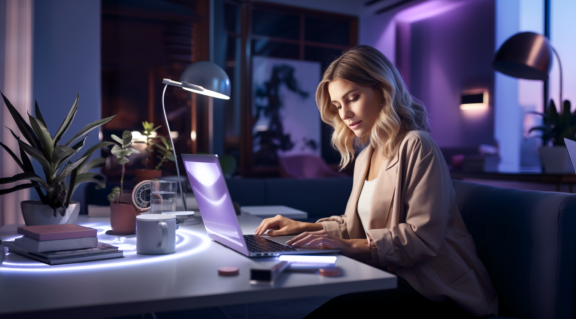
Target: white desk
[(271, 211), (139, 284)]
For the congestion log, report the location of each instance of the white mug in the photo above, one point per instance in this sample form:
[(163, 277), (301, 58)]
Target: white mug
[(155, 234)]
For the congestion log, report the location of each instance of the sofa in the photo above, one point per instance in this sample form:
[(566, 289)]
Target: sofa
[(527, 241)]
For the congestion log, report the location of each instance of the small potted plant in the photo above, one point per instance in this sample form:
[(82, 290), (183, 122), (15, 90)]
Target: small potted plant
[(122, 214), (555, 127), (165, 151), (62, 176), (148, 173)]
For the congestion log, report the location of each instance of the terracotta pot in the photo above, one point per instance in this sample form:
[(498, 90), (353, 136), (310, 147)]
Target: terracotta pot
[(123, 218), (147, 174), (37, 213), (126, 197)]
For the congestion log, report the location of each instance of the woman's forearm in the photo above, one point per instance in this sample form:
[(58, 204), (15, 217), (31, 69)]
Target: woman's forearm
[(358, 249), (311, 226)]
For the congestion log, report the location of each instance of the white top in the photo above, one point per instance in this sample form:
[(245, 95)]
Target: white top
[(364, 202)]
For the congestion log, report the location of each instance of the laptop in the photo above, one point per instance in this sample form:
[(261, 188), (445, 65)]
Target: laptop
[(571, 146), (218, 213)]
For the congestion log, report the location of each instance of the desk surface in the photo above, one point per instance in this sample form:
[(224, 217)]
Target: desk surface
[(271, 211), (138, 284)]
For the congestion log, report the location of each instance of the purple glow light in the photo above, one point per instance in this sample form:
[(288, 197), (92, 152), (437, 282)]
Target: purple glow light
[(205, 173), (130, 257), (308, 259), (426, 10), (218, 202)]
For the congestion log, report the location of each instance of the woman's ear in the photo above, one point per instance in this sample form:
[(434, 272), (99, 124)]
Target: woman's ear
[(379, 93)]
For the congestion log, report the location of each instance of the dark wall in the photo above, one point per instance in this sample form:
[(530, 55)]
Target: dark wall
[(67, 62), (449, 53)]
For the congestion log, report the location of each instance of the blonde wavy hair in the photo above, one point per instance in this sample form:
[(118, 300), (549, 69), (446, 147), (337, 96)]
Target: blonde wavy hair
[(399, 113)]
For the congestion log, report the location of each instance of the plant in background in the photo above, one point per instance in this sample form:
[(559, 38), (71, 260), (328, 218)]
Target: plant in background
[(149, 130), (165, 152), (555, 127), (228, 165), (122, 151), (54, 158)]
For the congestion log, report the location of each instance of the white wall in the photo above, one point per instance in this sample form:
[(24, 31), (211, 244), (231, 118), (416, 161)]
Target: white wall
[(563, 40), (67, 62), (530, 92), (508, 115)]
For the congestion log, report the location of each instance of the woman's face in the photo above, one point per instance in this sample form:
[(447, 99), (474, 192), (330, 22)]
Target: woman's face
[(358, 106)]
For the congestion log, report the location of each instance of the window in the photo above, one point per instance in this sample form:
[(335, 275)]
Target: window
[(276, 31)]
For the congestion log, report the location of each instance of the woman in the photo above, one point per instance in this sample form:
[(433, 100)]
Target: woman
[(401, 215)]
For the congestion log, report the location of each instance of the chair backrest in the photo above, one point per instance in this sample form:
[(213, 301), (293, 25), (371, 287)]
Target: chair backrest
[(305, 166), (527, 241)]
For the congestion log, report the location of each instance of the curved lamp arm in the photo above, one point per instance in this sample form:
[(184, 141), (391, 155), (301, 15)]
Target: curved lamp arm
[(172, 141)]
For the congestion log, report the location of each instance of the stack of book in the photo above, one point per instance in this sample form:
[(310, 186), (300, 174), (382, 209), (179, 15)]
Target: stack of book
[(61, 244)]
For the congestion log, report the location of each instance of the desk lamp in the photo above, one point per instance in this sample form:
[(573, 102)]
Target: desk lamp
[(204, 78), (527, 55)]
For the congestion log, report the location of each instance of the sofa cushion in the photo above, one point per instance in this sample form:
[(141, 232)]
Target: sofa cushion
[(320, 197), (247, 191), (527, 241)]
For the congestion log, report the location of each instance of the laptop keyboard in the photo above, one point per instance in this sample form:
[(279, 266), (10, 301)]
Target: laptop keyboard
[(258, 244)]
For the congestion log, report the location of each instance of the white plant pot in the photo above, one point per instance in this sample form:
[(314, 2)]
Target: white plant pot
[(556, 160), (37, 213)]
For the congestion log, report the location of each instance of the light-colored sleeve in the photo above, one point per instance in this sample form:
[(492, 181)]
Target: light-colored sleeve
[(428, 196), (335, 225)]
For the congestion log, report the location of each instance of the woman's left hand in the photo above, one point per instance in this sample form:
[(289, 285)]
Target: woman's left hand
[(355, 248)]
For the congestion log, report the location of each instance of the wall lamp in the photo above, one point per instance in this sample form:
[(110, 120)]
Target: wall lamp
[(474, 100)]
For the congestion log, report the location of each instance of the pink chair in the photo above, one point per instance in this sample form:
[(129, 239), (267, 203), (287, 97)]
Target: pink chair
[(306, 166)]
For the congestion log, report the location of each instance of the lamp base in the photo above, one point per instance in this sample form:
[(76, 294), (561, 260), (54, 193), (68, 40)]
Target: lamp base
[(181, 216)]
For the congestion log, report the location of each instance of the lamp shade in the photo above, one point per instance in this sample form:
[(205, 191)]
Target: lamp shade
[(525, 55), (209, 76)]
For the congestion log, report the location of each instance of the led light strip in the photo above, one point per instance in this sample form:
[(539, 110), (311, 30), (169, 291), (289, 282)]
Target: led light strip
[(308, 259), (113, 263)]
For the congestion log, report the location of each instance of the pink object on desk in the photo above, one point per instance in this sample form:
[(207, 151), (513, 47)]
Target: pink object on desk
[(55, 232)]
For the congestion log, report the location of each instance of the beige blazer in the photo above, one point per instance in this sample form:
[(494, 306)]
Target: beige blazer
[(415, 227)]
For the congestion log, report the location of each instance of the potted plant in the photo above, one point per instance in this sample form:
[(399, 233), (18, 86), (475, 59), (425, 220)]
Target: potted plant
[(55, 205), (166, 152), (122, 214), (148, 173), (555, 127)]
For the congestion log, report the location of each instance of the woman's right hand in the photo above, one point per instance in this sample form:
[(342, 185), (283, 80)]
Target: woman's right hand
[(280, 226)]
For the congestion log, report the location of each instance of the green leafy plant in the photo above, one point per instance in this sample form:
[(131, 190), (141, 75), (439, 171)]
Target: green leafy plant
[(555, 127), (122, 151), (165, 152), (113, 194), (149, 129), (53, 157), (228, 164)]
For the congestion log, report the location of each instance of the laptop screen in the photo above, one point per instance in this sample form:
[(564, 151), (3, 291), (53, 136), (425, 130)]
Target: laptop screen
[(214, 201)]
